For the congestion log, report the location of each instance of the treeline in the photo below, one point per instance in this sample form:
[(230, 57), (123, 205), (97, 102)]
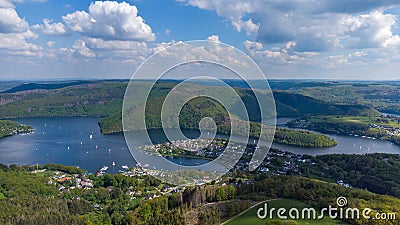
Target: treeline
[(97, 99), (321, 195), (331, 126), (378, 173), (27, 198), (63, 168), (8, 128), (303, 138)]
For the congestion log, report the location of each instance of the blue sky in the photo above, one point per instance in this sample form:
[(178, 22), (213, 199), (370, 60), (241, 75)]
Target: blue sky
[(325, 39)]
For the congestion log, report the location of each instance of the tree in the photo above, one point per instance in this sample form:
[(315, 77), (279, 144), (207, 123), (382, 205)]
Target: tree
[(109, 180), (220, 194)]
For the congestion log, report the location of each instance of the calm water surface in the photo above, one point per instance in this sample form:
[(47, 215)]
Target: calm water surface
[(67, 141)]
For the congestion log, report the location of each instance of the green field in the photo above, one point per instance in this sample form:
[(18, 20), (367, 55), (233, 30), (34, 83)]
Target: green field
[(250, 216)]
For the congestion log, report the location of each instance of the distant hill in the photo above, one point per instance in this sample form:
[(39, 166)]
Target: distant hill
[(287, 105), (104, 99), (45, 86), (382, 95), (295, 105), (93, 99)]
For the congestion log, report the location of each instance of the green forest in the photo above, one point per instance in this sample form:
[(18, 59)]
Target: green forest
[(381, 95), (29, 198), (8, 128)]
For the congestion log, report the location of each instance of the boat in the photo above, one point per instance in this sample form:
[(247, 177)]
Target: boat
[(125, 167), (91, 136), (104, 168), (113, 163), (68, 147)]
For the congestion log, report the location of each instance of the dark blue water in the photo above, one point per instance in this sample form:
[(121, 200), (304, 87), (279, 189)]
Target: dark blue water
[(58, 140), (67, 141)]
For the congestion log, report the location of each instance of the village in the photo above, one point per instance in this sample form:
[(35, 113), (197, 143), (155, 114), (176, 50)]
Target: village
[(277, 163), (389, 129)]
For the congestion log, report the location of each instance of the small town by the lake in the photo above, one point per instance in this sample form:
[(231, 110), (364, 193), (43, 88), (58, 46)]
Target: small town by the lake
[(199, 112)]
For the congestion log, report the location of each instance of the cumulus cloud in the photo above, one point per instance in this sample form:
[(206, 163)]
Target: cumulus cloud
[(10, 22), (321, 26), (51, 43), (369, 30), (51, 28), (234, 10), (80, 49), (251, 45), (6, 4), (214, 38), (285, 54), (14, 33), (16, 44), (110, 21)]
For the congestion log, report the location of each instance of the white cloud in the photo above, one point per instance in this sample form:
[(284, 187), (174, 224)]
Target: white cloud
[(250, 45), (16, 44), (51, 28), (369, 30), (214, 38), (110, 21), (6, 4), (234, 10), (96, 43), (284, 55), (10, 22), (51, 43), (321, 26), (80, 49), (14, 32)]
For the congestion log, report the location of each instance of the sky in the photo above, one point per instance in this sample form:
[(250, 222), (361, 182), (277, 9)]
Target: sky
[(298, 39)]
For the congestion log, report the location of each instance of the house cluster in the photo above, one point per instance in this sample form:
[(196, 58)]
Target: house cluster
[(84, 182), (301, 124), (136, 171), (67, 181), (276, 162), (203, 148), (391, 131), (343, 184), (386, 119)]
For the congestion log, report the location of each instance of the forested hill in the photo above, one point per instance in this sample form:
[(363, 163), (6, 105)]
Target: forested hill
[(8, 128), (44, 86), (104, 99)]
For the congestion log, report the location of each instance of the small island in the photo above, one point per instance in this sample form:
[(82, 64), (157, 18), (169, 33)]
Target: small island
[(9, 128)]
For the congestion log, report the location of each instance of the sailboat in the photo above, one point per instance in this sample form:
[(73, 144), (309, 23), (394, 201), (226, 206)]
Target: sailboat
[(113, 164)]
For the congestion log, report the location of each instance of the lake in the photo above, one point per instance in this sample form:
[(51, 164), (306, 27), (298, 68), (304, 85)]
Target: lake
[(67, 141)]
